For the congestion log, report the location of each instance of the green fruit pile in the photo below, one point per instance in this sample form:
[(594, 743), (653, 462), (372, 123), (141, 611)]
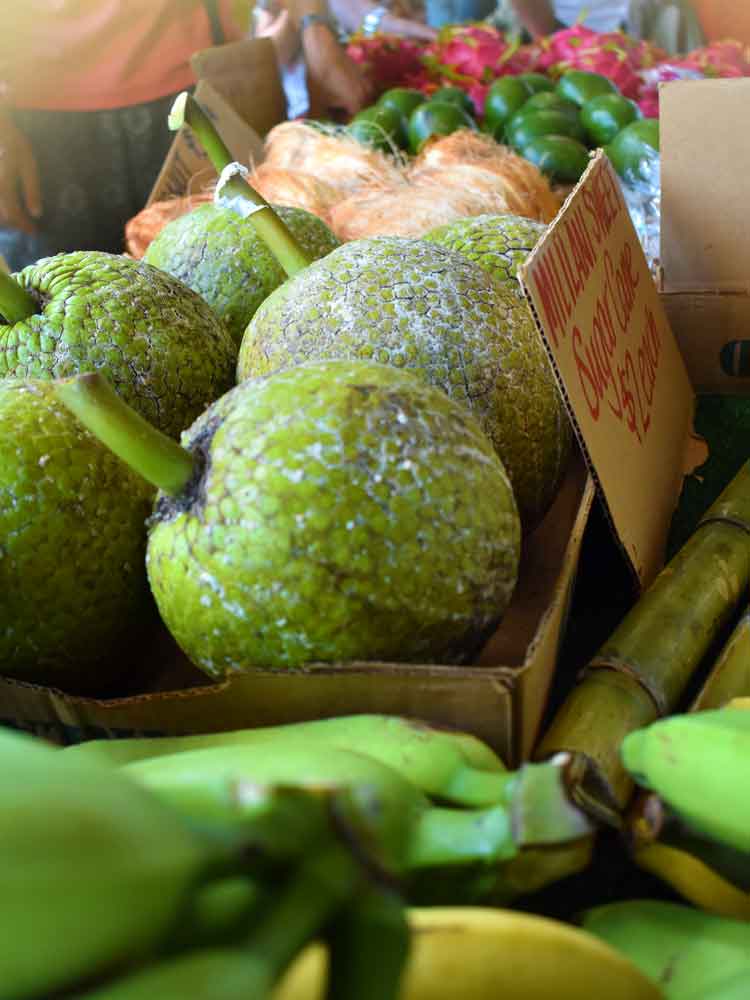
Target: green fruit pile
[(553, 125), (556, 127)]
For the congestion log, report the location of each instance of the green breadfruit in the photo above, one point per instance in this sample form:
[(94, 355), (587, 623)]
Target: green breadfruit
[(498, 243), (218, 254), (73, 586), (345, 511), (157, 342), (420, 306)]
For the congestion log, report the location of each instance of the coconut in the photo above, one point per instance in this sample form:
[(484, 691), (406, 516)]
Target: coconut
[(295, 189), (339, 160)]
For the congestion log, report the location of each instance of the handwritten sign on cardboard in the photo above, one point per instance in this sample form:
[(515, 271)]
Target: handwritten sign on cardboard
[(617, 362)]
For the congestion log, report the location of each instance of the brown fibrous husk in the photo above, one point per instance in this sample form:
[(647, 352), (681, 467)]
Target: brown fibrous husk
[(525, 187), (413, 209), (296, 189), (341, 161), (149, 222)]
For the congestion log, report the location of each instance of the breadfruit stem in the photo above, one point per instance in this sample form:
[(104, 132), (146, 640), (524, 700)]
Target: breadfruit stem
[(270, 228), (16, 304), (153, 455)]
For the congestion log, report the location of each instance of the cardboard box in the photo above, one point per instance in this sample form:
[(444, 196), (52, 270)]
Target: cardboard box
[(705, 237), (240, 88)]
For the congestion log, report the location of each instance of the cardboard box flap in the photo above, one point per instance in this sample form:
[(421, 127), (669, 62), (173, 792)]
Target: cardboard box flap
[(705, 153), (618, 365), (186, 168)]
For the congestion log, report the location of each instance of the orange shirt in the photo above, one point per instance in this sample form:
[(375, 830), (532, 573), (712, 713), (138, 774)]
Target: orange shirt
[(86, 55), (722, 19)]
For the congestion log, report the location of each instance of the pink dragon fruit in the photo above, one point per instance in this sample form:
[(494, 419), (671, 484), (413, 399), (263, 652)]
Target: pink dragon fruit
[(726, 59), (388, 60), (477, 53), (613, 54)]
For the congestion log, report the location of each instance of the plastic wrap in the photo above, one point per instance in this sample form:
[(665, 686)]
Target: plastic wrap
[(642, 190)]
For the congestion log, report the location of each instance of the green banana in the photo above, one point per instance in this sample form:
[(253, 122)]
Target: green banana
[(96, 871), (699, 764), (397, 822), (298, 910), (209, 974), (732, 987), (368, 945), (450, 766), (686, 951)]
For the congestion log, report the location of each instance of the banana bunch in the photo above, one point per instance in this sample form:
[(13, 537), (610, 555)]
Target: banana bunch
[(105, 882), (690, 954), (393, 777), (693, 828)]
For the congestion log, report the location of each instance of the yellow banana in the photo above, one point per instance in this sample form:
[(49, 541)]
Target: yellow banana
[(472, 953), (743, 703), (695, 881)]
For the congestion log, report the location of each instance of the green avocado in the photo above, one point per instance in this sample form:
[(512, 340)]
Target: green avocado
[(527, 125), (580, 86), (433, 118), (548, 100), (157, 341), (419, 306), (606, 115), (504, 98), (401, 99), (636, 144), (563, 159), (454, 95), (221, 257), (73, 589), (379, 127), (536, 83), (346, 511)]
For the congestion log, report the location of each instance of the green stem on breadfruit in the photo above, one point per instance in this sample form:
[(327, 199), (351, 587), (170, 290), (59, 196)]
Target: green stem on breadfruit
[(269, 227), (16, 304), (153, 455)]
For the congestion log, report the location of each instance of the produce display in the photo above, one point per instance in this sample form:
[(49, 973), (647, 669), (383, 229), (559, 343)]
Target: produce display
[(303, 433)]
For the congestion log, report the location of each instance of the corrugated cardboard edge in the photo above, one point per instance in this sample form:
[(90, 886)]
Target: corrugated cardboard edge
[(570, 409), (186, 166), (599, 329), (542, 656)]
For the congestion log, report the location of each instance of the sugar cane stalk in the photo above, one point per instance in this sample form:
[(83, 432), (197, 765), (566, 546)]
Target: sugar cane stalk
[(642, 670)]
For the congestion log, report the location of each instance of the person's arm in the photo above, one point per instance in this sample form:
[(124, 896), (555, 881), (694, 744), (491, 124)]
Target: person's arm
[(335, 82), (537, 16), (20, 195), (351, 14)]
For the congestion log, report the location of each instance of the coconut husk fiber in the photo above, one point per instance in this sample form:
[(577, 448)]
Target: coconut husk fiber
[(149, 222), (454, 157), (339, 160), (414, 209), (296, 189)]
